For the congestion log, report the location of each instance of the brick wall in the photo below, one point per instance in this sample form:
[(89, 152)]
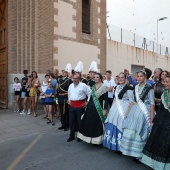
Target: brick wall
[(96, 38), (30, 35)]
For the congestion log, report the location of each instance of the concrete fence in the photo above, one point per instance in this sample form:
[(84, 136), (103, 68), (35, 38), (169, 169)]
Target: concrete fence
[(120, 35), (121, 56)]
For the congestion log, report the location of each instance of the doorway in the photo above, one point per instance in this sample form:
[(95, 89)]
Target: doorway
[(3, 54)]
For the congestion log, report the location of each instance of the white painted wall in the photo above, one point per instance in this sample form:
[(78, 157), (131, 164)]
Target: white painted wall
[(70, 51), (140, 17), (121, 56), (65, 19)]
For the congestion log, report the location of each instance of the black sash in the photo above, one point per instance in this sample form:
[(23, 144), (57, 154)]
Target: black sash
[(124, 90)]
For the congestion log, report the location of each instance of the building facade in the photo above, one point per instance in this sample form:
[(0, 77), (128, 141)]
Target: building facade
[(42, 35)]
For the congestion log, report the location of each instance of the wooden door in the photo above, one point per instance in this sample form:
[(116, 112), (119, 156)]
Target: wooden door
[(3, 54)]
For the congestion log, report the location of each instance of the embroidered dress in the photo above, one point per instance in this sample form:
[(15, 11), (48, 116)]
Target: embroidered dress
[(113, 123), (156, 153), (136, 126), (91, 129)]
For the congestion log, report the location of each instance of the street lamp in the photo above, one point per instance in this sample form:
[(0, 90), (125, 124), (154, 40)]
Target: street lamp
[(160, 19)]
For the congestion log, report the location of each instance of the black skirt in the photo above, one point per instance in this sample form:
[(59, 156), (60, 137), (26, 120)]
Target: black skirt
[(158, 144), (91, 125)]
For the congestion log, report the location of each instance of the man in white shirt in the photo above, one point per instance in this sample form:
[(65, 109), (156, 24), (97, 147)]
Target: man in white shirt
[(77, 94), (110, 83)]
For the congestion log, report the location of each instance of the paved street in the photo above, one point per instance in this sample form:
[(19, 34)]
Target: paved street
[(28, 143)]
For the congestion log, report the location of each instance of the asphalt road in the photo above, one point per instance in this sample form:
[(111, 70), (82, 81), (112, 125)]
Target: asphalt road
[(50, 150)]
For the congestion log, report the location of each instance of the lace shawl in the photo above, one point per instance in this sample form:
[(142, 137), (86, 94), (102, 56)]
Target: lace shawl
[(102, 90)]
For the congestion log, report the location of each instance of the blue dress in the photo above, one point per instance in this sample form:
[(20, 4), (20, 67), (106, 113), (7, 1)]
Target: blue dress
[(136, 128), (113, 123)]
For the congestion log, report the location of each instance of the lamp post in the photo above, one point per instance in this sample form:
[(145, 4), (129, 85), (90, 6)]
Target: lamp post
[(160, 19)]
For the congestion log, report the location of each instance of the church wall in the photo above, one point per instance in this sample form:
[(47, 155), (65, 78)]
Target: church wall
[(73, 52), (30, 39), (68, 35), (46, 34)]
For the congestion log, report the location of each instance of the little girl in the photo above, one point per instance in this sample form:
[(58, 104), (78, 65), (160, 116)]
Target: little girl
[(27, 100), (49, 95), (17, 89)]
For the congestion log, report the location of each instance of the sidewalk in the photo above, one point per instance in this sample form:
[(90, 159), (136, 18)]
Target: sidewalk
[(13, 125)]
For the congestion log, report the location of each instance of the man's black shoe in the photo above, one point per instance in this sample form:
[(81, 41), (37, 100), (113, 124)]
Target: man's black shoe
[(71, 138), (66, 129), (118, 152), (137, 161), (79, 140), (60, 128)]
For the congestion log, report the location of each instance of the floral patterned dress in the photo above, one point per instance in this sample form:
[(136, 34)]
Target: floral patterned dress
[(113, 123)]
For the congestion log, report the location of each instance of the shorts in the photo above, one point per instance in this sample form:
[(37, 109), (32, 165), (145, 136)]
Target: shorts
[(43, 101), (49, 103), (17, 93), (33, 91), (23, 94), (27, 94)]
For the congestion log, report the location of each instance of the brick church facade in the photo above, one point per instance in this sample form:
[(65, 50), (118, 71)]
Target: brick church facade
[(40, 35)]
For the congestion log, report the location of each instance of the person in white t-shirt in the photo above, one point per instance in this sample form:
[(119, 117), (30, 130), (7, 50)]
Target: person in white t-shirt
[(17, 89), (77, 93), (110, 83)]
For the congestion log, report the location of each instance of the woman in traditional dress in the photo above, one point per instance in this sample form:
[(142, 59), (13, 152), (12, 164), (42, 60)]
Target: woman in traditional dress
[(120, 106), (159, 89), (156, 153), (91, 129), (137, 125)]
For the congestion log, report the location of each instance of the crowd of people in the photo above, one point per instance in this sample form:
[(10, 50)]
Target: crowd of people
[(129, 114)]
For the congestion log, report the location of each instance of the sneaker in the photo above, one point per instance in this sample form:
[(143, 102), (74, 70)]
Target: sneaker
[(49, 121), (17, 111), (29, 112), (46, 117), (52, 123), (23, 113)]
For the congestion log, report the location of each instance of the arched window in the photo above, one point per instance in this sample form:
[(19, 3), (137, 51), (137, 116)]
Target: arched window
[(86, 16)]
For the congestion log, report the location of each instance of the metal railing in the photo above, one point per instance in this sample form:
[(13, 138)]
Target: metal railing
[(121, 35)]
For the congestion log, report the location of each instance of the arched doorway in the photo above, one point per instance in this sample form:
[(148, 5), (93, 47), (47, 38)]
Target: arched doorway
[(3, 54)]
